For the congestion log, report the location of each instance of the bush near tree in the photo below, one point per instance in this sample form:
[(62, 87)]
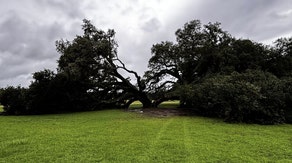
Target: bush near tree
[(250, 97), (14, 100)]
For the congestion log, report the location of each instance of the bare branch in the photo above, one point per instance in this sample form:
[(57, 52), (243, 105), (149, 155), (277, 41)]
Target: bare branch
[(171, 72), (138, 78), (166, 82)]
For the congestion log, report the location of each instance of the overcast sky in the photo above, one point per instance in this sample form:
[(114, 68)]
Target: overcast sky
[(29, 28)]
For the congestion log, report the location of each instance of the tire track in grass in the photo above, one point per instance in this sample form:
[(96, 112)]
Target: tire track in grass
[(172, 143), (188, 142), (150, 153)]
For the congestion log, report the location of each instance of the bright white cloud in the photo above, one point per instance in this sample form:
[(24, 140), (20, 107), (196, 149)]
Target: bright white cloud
[(286, 13)]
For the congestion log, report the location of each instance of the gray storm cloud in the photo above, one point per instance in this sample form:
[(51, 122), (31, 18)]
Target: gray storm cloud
[(29, 29)]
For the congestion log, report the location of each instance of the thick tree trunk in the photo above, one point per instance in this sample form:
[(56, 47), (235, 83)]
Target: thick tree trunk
[(144, 99), (146, 103)]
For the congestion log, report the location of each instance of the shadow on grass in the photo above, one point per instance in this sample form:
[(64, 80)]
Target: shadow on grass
[(165, 109)]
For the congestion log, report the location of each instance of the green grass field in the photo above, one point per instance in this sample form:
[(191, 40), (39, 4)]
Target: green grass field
[(118, 136)]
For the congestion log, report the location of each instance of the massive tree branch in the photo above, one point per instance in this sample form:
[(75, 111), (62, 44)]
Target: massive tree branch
[(140, 84), (172, 72), (166, 82)]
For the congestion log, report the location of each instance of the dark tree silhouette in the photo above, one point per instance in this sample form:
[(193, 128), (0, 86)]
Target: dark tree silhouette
[(92, 59), (198, 51)]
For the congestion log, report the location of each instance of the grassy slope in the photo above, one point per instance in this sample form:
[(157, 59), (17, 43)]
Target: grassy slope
[(117, 136)]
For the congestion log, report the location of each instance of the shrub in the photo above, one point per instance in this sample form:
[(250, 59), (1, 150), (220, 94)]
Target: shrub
[(51, 93), (251, 97), (13, 99), (57, 93)]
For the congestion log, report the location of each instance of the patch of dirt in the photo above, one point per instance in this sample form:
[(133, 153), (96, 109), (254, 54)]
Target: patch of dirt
[(163, 112)]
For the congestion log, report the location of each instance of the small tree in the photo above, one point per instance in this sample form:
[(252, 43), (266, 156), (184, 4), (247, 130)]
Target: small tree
[(279, 58)]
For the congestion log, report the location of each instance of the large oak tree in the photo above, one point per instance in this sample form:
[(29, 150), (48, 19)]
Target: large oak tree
[(92, 59), (198, 50)]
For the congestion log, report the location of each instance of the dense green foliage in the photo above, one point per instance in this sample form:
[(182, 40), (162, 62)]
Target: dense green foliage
[(117, 136), (197, 52), (13, 99), (53, 93), (251, 97)]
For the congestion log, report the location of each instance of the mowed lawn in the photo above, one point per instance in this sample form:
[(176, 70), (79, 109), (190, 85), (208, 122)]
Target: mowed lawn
[(119, 136)]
